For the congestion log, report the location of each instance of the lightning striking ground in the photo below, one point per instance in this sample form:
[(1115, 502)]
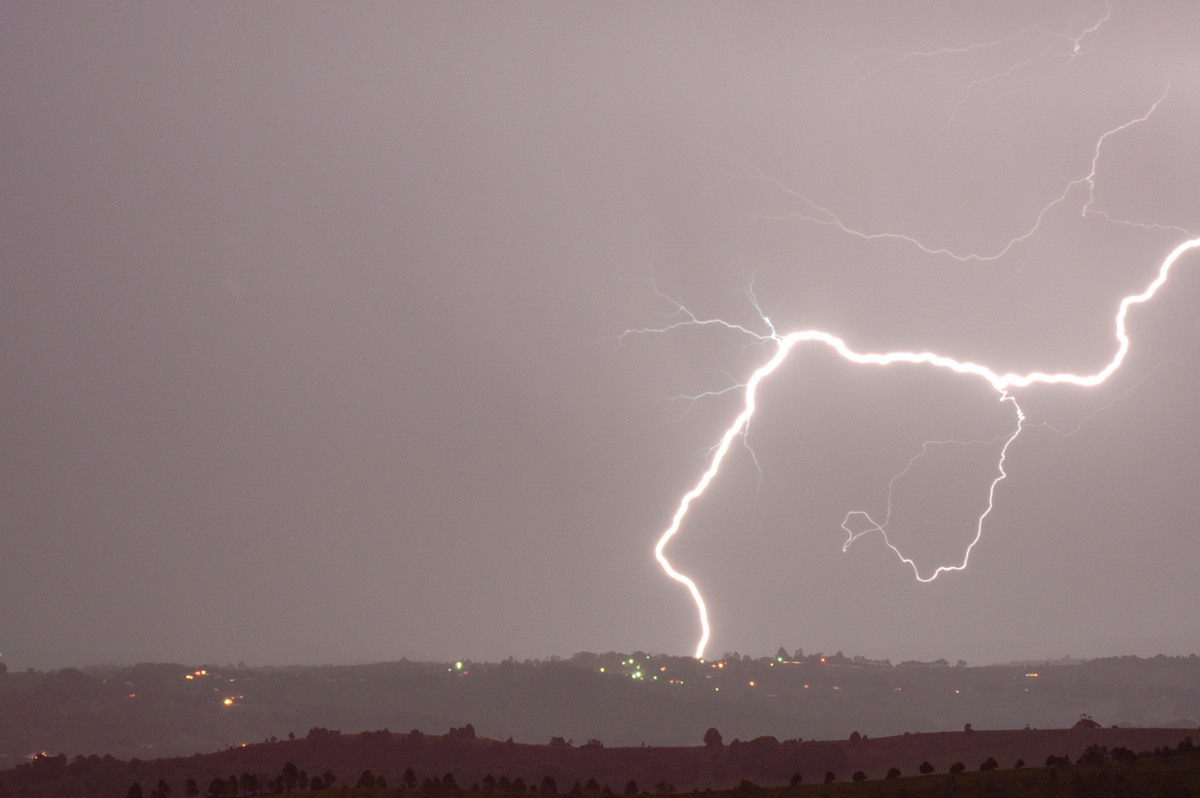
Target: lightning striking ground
[(1003, 384)]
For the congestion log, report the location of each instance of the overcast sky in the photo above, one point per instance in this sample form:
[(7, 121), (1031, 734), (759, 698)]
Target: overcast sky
[(311, 316)]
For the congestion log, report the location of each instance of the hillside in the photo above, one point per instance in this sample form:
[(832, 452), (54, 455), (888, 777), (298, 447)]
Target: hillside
[(622, 700), (324, 759)]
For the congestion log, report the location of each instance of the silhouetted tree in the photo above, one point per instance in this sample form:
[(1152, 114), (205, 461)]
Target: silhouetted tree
[(712, 738), (449, 784), (409, 779), (1123, 755), (1020, 763), (989, 764), (893, 773), (631, 787), (859, 776), (366, 779), (829, 777), (134, 791), (796, 779), (957, 767), (1093, 755), (548, 786), (291, 774), (190, 789), (591, 786), (489, 783), (518, 785), (216, 788), (926, 768)]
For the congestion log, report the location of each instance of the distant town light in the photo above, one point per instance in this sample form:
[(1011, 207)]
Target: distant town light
[(458, 665), (228, 702)]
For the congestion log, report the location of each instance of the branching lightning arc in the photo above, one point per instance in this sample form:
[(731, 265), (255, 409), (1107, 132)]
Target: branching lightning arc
[(1004, 384)]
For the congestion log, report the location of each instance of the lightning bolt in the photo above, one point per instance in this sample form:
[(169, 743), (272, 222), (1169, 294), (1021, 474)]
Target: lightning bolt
[(784, 344), (1048, 44)]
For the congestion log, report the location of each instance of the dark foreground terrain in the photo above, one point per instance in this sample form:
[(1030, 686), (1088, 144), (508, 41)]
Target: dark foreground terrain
[(1074, 762), (624, 700)]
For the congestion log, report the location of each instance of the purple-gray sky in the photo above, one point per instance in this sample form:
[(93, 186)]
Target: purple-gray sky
[(310, 318)]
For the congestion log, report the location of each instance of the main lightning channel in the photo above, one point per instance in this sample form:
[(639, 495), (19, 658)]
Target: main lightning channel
[(1001, 383)]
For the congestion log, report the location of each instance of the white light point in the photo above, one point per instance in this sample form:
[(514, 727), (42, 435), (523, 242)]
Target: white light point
[(1003, 384)]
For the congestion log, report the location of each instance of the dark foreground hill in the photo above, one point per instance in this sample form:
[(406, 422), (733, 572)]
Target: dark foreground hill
[(326, 763), (623, 700)]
